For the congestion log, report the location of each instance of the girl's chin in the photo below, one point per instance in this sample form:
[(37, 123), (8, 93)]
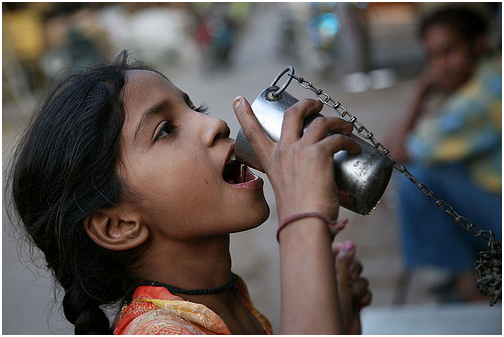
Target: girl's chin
[(254, 217)]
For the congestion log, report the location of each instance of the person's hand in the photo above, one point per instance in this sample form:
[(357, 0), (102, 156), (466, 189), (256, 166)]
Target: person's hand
[(353, 289), (446, 79), (395, 140), (300, 168), (395, 143), (431, 78)]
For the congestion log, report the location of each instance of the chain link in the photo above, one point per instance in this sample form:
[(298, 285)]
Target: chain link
[(488, 267)]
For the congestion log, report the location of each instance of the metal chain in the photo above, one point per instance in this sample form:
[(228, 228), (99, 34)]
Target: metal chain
[(488, 267)]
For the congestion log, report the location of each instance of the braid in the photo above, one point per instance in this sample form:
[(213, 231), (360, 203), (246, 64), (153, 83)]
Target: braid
[(101, 283), (100, 279), (92, 321), (84, 313), (65, 169)]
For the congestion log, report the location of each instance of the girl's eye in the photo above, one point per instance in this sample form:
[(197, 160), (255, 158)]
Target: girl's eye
[(166, 130)]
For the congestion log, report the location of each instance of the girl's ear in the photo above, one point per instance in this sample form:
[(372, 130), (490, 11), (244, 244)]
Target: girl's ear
[(111, 230)]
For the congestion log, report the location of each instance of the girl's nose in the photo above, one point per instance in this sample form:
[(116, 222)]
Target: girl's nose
[(214, 129)]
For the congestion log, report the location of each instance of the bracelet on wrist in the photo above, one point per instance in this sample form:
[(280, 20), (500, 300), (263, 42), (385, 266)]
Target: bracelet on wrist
[(334, 226)]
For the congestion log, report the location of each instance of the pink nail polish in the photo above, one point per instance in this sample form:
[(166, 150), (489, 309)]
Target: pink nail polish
[(348, 246)]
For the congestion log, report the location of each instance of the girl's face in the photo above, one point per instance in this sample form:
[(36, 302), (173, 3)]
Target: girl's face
[(175, 157)]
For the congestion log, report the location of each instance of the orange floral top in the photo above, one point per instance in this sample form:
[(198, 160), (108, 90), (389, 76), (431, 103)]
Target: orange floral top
[(156, 311)]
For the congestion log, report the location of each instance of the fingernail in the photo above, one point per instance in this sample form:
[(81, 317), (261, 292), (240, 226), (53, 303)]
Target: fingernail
[(348, 246), (237, 101)]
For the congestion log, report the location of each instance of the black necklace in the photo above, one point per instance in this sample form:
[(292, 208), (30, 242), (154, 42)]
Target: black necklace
[(227, 287)]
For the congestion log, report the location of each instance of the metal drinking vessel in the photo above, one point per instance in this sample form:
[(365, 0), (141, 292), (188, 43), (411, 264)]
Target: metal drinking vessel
[(361, 178)]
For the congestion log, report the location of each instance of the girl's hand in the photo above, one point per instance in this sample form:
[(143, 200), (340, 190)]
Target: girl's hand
[(353, 290), (300, 168)]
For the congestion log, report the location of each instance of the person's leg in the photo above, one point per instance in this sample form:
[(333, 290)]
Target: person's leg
[(482, 208), (485, 211), (430, 237)]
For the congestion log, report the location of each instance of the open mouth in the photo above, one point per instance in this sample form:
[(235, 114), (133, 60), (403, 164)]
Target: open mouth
[(237, 173)]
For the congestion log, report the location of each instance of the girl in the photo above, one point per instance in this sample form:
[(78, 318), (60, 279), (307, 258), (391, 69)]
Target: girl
[(131, 193)]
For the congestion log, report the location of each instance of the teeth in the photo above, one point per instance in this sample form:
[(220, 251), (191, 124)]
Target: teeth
[(231, 158)]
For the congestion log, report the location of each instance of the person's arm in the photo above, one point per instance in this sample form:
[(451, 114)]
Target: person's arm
[(467, 125), (310, 299), (302, 175), (396, 138)]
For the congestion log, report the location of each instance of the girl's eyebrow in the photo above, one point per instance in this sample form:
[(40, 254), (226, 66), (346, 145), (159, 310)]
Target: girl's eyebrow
[(147, 117)]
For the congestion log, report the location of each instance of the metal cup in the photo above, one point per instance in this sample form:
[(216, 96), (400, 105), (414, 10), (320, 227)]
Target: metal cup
[(361, 178)]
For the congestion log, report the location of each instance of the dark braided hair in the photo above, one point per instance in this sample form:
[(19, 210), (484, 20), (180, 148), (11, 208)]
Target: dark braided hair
[(65, 169)]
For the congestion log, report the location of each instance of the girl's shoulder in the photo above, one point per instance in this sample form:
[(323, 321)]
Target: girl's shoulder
[(155, 311)]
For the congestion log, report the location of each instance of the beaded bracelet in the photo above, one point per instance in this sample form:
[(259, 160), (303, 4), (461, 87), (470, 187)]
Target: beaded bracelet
[(334, 226)]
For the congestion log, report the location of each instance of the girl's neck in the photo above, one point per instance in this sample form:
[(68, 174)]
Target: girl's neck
[(194, 264), (199, 264)]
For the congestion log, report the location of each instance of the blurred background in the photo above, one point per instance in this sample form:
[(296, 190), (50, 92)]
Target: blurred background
[(365, 55)]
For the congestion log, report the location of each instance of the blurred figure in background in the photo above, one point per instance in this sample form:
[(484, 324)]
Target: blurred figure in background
[(72, 37), (451, 139), (218, 30), (324, 35)]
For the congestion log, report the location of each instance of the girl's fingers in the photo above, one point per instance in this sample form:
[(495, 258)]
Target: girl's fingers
[(365, 300), (345, 254), (295, 116), (348, 271), (360, 289), (355, 270), (338, 142), (252, 129), (320, 127), (292, 128)]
